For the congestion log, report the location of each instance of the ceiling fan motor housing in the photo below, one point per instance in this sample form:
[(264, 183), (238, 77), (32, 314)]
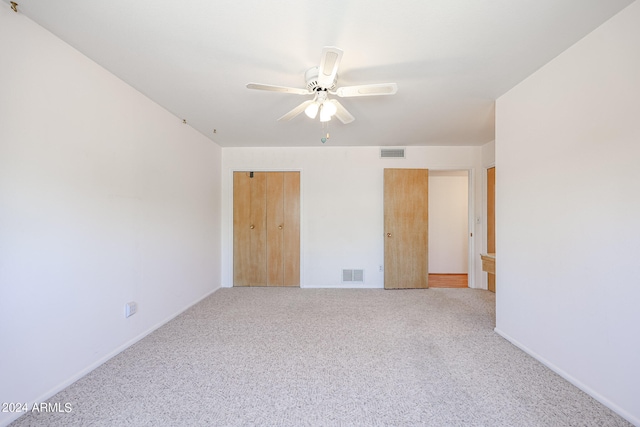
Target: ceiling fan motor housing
[(311, 78)]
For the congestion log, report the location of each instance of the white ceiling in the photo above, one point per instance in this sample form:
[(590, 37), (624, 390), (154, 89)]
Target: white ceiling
[(450, 59)]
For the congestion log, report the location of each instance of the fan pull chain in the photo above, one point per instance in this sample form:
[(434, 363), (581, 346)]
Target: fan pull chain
[(325, 128)]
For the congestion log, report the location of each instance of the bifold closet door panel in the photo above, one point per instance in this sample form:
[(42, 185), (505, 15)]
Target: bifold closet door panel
[(241, 230), (249, 229), (291, 229), (258, 227), (275, 228)]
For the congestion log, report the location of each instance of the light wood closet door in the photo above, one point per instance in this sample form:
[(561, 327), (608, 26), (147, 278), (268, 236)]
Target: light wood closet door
[(266, 228), (406, 228), (291, 238), (275, 225), (249, 229)]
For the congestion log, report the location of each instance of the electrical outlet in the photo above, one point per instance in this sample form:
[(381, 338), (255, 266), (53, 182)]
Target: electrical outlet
[(381, 268), (130, 309)]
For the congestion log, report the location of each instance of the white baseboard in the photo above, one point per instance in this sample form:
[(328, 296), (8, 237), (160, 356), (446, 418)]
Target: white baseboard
[(66, 383), (600, 398)]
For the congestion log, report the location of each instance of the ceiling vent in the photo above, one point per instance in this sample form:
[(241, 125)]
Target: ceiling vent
[(392, 153), (353, 276)]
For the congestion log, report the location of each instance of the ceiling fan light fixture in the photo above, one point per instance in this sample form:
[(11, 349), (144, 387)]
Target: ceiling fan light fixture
[(312, 110), (325, 115), (329, 108)]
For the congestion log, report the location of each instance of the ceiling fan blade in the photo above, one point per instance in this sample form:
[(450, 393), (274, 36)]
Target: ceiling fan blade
[(297, 110), (341, 113), (273, 88), (367, 90), (329, 63)]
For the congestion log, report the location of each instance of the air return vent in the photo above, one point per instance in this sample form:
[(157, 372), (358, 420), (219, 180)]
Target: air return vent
[(352, 276), (392, 153)]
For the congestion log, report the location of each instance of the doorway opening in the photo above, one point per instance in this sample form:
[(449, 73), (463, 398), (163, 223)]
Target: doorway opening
[(448, 229)]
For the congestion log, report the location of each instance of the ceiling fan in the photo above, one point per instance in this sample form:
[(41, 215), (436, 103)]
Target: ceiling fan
[(322, 81)]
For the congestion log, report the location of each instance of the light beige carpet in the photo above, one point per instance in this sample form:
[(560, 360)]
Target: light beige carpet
[(327, 357)]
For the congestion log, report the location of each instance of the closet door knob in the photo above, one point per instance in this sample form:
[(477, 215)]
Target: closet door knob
[(279, 227), (252, 226), (388, 234)]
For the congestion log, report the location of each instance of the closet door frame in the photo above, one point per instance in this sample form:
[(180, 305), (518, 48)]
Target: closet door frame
[(301, 213)]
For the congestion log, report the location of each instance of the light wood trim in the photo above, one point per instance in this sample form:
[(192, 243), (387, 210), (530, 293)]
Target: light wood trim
[(491, 210), (488, 263), (449, 280), (491, 226)]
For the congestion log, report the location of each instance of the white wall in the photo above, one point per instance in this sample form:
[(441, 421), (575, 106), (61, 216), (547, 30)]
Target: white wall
[(448, 222), (489, 154), (568, 213), (105, 198), (342, 210)]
